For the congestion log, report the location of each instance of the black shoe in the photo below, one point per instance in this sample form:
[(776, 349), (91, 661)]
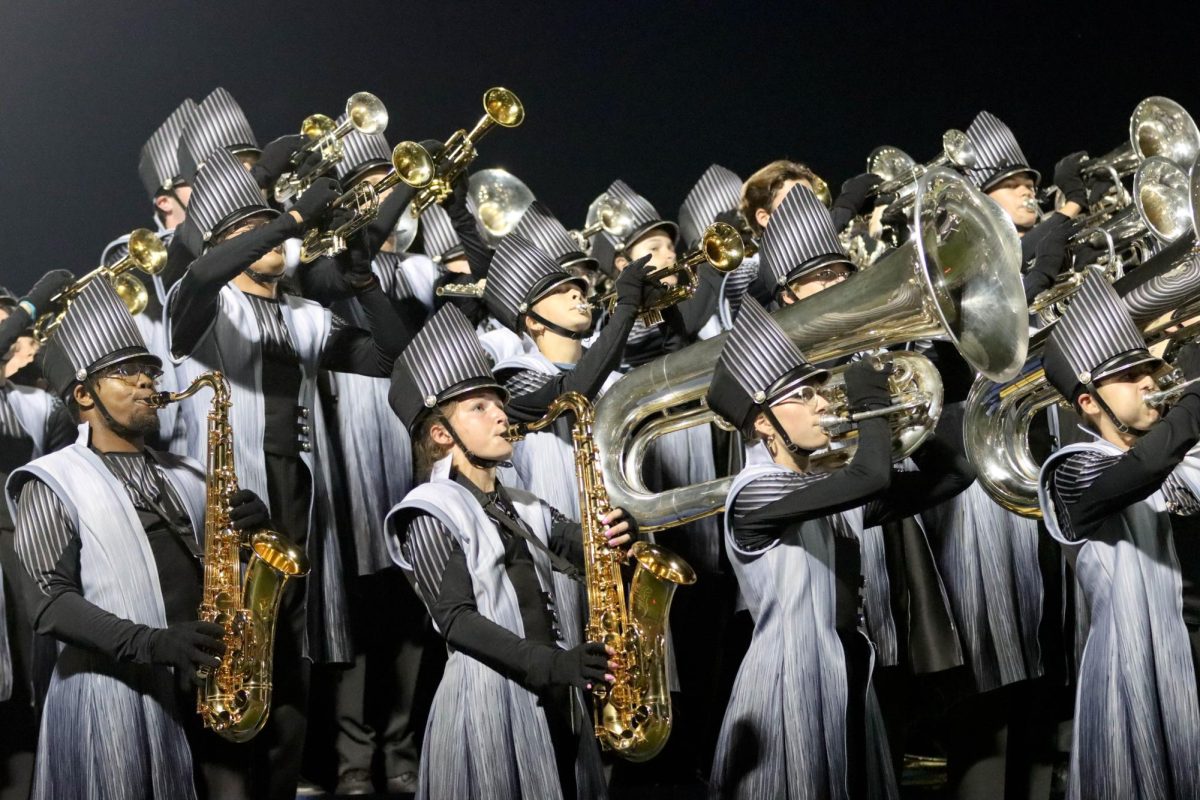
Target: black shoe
[(355, 781), (404, 783)]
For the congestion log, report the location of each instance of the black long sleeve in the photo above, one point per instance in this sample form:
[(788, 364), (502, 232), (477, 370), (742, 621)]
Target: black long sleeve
[(941, 474), (867, 474), (598, 362), (1130, 478), (390, 210), (13, 327), (72, 619), (194, 306), (479, 257), (687, 318), (370, 352)]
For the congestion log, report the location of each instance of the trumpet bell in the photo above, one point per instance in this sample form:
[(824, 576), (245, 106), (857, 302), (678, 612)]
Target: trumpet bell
[(503, 107), (131, 291), (316, 126), (147, 251), (959, 149), (889, 162), (366, 113), (413, 164), (1161, 127), (501, 199), (723, 247), (1162, 195)]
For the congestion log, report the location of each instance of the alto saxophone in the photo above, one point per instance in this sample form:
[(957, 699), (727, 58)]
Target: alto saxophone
[(632, 716), (235, 699)]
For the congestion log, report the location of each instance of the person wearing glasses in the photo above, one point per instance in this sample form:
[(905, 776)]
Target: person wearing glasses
[(109, 531), (803, 720)]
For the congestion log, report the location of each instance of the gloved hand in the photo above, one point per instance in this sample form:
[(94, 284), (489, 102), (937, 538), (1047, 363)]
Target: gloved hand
[(187, 646), (580, 666), (894, 222), (1068, 178), (357, 263), (247, 511), (1050, 255), (867, 387), (1187, 361), (315, 201), (275, 159), (855, 195), (47, 286), (633, 286)]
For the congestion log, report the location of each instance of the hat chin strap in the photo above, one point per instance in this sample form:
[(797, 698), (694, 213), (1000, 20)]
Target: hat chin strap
[(1108, 412), (476, 461), (791, 446), (262, 278), (559, 329), (114, 426)]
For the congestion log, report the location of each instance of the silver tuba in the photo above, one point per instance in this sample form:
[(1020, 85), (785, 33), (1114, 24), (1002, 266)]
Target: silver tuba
[(957, 278), (500, 199)]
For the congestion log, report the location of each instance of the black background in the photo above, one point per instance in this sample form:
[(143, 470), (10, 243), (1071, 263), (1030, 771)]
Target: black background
[(650, 92)]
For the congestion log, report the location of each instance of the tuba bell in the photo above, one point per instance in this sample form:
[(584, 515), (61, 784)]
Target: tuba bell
[(500, 200), (146, 253), (365, 113), (606, 213), (957, 278)]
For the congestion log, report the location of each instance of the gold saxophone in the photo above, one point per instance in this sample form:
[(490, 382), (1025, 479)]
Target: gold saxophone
[(236, 696), (632, 715)]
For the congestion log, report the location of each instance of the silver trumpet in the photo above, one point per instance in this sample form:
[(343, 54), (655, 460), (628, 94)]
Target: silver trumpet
[(606, 213), (1168, 395), (365, 113)]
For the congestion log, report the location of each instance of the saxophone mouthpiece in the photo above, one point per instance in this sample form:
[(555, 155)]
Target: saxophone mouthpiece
[(158, 400)]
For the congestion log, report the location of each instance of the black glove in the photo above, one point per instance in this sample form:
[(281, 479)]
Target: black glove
[(186, 646), (47, 286), (357, 261), (633, 286), (315, 201), (1068, 178), (855, 196), (1050, 255), (579, 666), (866, 386), (461, 187), (894, 222), (1187, 361), (275, 159), (247, 511)]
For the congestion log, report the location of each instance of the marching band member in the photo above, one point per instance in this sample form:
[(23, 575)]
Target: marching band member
[(803, 720), (108, 531), (539, 225), (228, 313), (800, 248), (1112, 503), (489, 561)]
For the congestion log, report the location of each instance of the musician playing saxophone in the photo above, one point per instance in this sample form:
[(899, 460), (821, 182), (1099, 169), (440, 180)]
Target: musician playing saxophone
[(493, 565), (107, 530)]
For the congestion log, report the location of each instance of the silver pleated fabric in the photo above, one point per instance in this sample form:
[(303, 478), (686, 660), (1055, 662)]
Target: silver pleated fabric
[(487, 736), (539, 225), (361, 151), (218, 121), (718, 190), (438, 236), (800, 231), (1137, 717), (108, 729), (158, 166), (221, 192), (784, 732), (1094, 330), (443, 354), (518, 267), (997, 153), (96, 325), (645, 216), (1171, 288)]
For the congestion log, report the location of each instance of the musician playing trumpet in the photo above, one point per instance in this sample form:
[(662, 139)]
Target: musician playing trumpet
[(494, 566), (803, 721), (1115, 504), (107, 530)]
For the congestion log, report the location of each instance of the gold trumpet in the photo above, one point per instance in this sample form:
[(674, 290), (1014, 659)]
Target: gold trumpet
[(721, 246), (410, 164), (501, 107), (365, 113), (146, 253)]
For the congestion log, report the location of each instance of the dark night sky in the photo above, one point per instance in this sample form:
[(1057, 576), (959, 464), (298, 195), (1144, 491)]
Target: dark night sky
[(650, 92)]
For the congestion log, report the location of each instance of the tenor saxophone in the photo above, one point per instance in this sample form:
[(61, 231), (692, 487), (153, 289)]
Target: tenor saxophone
[(235, 698), (632, 716)]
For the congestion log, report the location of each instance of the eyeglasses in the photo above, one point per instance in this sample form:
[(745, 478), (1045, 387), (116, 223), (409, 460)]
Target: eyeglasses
[(130, 373), (805, 395), (824, 275)]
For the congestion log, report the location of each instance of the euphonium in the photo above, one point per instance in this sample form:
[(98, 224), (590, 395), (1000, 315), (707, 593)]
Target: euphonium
[(1160, 212), (236, 696), (365, 113), (632, 715), (957, 278), (999, 414), (146, 253), (900, 172), (501, 107), (360, 205), (721, 247)]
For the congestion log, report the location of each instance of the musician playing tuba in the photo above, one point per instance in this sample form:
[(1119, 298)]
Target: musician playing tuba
[(108, 530), (804, 685), (493, 565)]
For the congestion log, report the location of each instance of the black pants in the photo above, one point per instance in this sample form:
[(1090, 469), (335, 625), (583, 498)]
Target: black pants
[(383, 698), (279, 748)]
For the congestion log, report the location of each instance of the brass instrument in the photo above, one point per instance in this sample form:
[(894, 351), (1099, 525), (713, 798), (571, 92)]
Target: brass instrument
[(235, 700), (360, 205), (916, 387), (957, 278), (146, 253), (1158, 127), (501, 199), (365, 113), (606, 213), (462, 289), (721, 246), (501, 107), (1159, 211), (632, 716), (900, 172)]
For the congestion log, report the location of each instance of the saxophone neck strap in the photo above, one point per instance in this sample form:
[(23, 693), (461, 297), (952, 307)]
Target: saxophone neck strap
[(557, 562)]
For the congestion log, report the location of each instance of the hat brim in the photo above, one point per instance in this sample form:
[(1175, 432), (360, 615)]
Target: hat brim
[(240, 215), (1125, 361), (991, 182), (645, 230), (814, 264), (791, 381), (549, 285)]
